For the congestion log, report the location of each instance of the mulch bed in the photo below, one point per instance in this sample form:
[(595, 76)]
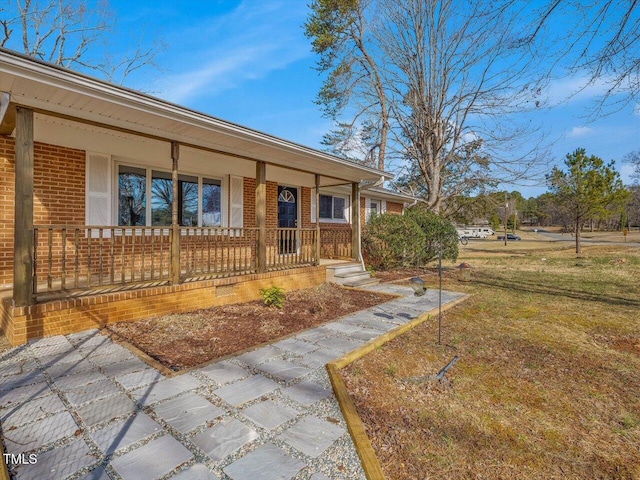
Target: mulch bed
[(185, 340)]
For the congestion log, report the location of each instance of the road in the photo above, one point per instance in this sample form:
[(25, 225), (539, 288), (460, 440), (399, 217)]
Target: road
[(570, 238)]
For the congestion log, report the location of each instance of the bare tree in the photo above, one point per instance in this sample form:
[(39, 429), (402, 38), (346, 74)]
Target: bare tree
[(599, 39), (73, 34), (634, 159), (445, 78), (633, 207)]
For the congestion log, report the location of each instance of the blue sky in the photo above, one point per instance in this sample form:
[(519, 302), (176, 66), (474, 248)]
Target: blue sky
[(249, 62)]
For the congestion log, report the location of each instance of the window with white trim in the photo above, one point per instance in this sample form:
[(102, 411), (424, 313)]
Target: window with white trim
[(145, 197), (374, 208), (332, 207)]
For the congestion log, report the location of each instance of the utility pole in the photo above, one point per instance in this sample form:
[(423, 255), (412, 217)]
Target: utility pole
[(506, 216)]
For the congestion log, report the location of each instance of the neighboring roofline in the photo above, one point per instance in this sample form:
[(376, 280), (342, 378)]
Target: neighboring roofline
[(55, 75)]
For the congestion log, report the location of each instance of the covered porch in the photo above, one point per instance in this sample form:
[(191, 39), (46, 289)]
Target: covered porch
[(68, 143)]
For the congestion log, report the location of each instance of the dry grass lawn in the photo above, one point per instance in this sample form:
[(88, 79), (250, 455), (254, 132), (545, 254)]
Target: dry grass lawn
[(548, 379)]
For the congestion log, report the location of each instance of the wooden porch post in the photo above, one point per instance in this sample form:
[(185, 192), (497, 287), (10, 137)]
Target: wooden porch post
[(175, 228), (355, 221), (23, 210), (261, 215), (317, 195)]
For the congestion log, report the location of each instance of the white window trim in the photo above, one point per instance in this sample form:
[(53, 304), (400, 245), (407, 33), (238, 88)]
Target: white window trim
[(224, 190), (378, 205)]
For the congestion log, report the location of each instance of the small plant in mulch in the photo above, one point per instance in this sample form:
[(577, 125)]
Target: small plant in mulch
[(272, 296)]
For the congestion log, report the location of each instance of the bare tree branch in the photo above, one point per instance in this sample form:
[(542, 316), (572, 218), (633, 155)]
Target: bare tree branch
[(72, 33), (600, 40)]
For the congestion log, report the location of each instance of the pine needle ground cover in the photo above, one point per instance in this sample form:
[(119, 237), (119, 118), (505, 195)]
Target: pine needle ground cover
[(547, 384)]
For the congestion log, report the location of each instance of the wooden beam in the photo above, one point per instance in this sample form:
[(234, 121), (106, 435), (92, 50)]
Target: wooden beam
[(23, 208), (7, 114), (261, 215), (175, 227), (355, 222), (159, 138), (316, 192)]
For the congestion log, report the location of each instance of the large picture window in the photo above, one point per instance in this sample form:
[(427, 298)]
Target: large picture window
[(161, 198), (332, 207), (132, 196), (211, 195), (188, 201), (199, 198)]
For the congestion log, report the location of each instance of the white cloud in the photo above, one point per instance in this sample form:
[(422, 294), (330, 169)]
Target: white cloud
[(248, 43), (577, 132), (577, 88)]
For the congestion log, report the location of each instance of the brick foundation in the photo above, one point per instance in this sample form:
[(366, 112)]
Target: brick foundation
[(60, 317)]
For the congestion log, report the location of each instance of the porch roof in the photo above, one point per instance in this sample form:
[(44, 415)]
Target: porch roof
[(56, 91)]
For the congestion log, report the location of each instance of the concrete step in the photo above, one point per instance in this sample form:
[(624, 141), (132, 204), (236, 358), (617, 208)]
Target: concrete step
[(362, 283), (337, 269), (344, 267), (351, 276)]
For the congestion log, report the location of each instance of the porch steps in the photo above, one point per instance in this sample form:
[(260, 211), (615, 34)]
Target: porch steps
[(349, 275)]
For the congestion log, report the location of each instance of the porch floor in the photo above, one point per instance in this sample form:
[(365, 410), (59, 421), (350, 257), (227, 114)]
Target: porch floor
[(89, 406)]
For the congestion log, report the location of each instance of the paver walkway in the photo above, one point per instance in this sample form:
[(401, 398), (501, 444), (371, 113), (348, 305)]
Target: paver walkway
[(82, 407)]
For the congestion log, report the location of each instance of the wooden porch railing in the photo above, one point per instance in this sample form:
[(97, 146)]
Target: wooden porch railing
[(335, 242), (210, 252), (290, 247), (81, 257)]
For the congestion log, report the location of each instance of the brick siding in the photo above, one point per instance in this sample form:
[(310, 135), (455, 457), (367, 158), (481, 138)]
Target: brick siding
[(393, 207), (58, 190)]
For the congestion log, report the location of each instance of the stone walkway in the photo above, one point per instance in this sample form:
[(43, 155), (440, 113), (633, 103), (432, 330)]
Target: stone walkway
[(82, 407)]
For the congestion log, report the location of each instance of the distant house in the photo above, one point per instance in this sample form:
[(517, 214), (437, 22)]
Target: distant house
[(116, 205)]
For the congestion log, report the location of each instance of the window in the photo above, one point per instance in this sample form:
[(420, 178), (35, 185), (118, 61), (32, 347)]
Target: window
[(332, 207), (161, 198), (133, 198), (211, 195), (188, 201), (374, 208)]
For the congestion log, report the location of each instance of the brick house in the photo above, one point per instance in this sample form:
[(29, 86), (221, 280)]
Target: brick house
[(116, 205)]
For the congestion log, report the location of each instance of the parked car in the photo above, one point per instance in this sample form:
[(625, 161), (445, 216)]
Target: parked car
[(510, 236)]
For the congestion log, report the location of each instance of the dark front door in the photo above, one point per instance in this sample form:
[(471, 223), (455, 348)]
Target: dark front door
[(287, 218)]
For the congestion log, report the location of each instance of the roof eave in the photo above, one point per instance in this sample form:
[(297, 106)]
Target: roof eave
[(82, 85)]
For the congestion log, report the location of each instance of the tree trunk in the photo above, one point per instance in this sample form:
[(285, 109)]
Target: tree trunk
[(578, 229)]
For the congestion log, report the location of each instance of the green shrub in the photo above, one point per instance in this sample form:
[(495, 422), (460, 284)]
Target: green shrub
[(437, 231), (272, 296), (390, 241)]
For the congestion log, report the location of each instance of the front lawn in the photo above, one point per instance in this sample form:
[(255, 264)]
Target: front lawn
[(548, 379)]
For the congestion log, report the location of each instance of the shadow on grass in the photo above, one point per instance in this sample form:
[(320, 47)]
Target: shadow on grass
[(535, 286)]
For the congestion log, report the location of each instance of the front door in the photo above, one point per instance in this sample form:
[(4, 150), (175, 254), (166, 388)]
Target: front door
[(287, 218)]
